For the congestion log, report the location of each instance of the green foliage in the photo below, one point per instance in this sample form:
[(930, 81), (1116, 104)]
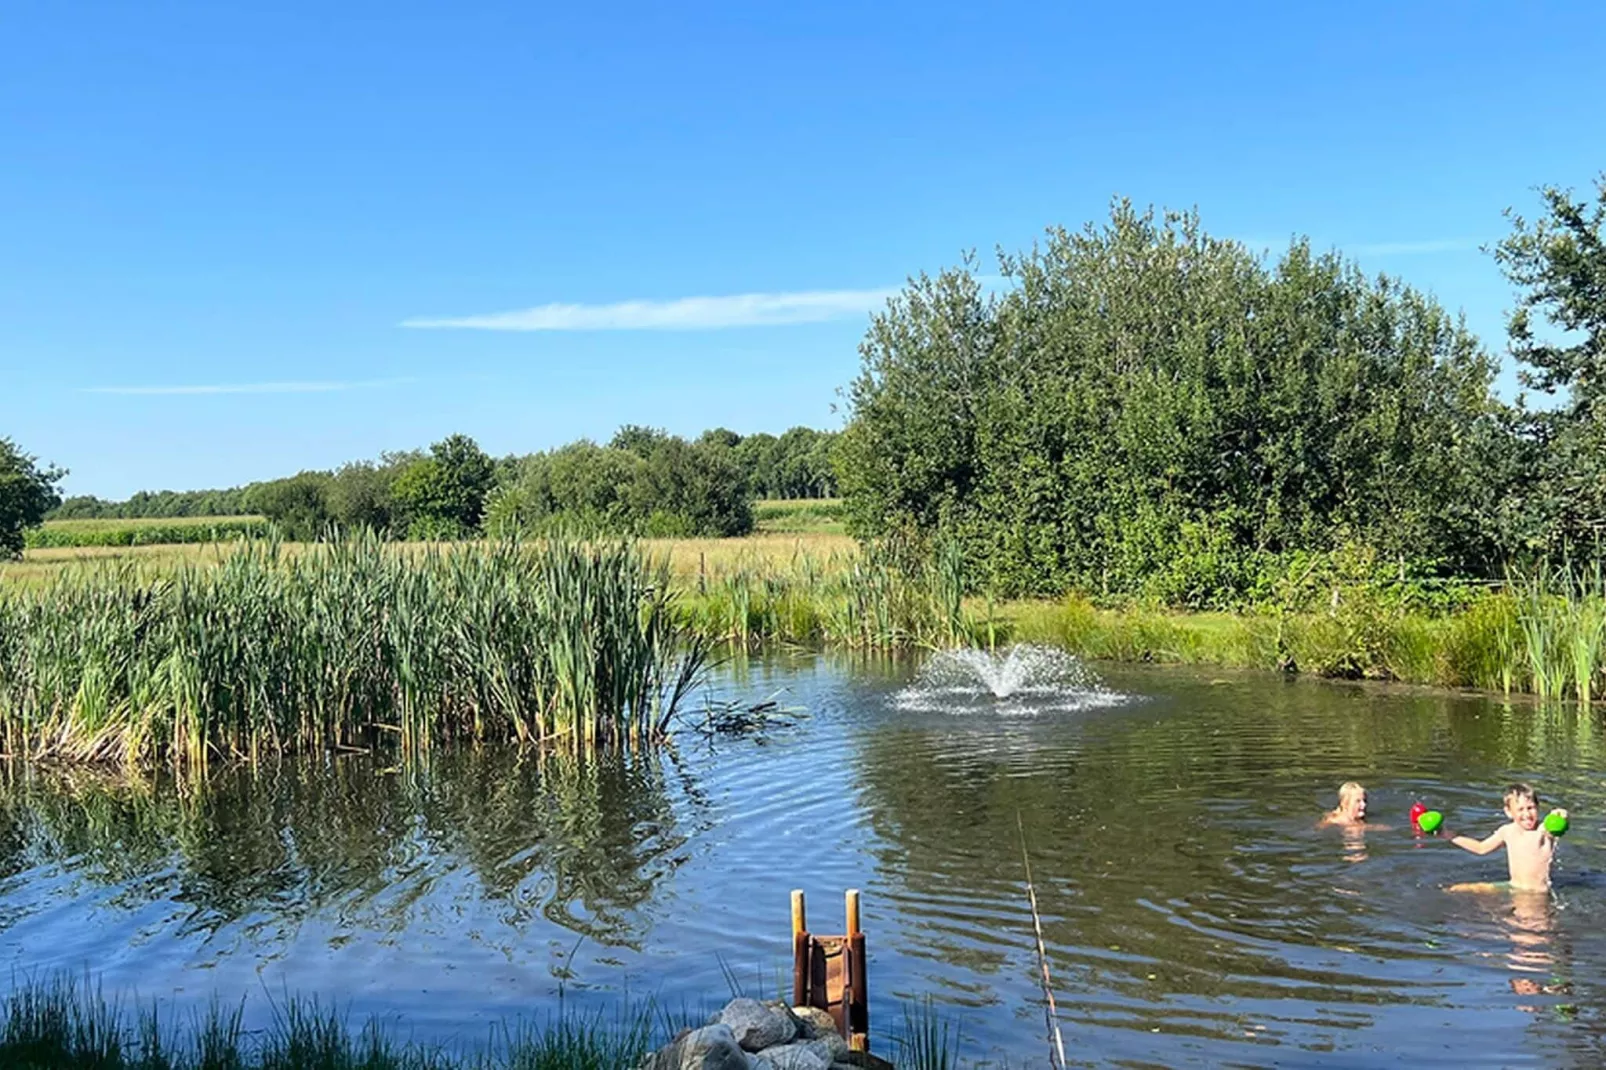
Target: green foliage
[(347, 642), (165, 504), (1559, 263), (645, 483), (57, 1025), (442, 496), (798, 464), (27, 493), (295, 504), (1150, 412), (798, 515), (66, 533), (360, 495)]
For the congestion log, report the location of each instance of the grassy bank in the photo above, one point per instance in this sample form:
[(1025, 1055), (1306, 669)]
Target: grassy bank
[(1542, 632), (62, 1025), (145, 532), (343, 645)]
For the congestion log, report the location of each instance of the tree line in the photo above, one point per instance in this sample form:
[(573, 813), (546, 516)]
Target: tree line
[(1145, 410), (643, 481)]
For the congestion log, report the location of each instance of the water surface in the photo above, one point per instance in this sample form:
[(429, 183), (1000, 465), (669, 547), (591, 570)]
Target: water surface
[(1193, 913)]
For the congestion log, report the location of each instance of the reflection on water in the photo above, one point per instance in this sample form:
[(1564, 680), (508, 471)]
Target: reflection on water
[(579, 841), (1192, 910)]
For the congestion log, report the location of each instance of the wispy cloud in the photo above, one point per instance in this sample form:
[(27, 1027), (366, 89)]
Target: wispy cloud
[(681, 314), (305, 387)]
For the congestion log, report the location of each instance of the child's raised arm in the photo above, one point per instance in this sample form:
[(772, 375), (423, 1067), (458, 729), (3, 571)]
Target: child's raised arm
[(1484, 846)]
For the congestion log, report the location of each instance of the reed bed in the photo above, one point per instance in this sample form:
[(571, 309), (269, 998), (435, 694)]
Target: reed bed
[(875, 597), (343, 645), (1542, 631)]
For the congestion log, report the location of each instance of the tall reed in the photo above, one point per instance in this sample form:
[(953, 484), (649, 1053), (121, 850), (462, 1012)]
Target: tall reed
[(343, 644), (879, 597), (1562, 618)]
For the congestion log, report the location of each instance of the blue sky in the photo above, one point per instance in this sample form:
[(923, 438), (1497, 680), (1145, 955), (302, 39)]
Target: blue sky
[(216, 219)]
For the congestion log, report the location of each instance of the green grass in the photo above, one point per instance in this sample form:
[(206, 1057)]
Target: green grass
[(798, 516), (145, 531), (66, 1025)]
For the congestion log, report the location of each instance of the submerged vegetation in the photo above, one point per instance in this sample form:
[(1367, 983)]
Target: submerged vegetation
[(342, 644)]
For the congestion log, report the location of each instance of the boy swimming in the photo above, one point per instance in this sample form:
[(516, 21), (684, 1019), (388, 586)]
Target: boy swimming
[(1530, 848)]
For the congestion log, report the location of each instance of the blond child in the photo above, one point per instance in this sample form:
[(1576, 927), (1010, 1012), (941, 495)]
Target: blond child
[(1530, 847), (1351, 809)]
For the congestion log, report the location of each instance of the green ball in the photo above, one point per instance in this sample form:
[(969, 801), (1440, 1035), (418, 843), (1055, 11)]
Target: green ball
[(1555, 824), (1429, 821)]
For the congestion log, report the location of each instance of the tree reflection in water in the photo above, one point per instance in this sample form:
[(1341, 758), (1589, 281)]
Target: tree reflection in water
[(580, 840)]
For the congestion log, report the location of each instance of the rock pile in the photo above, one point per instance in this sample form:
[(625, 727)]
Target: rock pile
[(749, 1035)]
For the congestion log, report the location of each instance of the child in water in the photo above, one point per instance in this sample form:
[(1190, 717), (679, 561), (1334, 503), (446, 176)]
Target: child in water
[(1351, 809), (1530, 848)]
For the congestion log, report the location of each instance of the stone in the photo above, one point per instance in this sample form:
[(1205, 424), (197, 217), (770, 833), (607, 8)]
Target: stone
[(831, 1046), (817, 1022), (799, 1056), (713, 1047), (757, 1027)]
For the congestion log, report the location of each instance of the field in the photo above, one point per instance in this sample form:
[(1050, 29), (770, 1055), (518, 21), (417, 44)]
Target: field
[(144, 531), (687, 557), (798, 515)]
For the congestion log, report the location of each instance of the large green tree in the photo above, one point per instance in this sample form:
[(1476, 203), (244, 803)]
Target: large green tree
[(27, 493), (1558, 333), (1148, 410)]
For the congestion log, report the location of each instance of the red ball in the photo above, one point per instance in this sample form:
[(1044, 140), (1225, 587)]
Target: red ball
[(1417, 810)]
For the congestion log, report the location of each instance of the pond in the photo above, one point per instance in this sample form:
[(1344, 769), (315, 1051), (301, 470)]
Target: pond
[(1193, 913)]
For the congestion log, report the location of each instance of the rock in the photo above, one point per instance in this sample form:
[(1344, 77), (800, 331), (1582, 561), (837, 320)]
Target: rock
[(831, 1046), (817, 1022), (756, 1026), (713, 1047), (780, 1006), (800, 1056)]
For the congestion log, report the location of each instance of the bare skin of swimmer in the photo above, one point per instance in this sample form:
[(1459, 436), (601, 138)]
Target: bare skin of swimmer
[(1530, 849)]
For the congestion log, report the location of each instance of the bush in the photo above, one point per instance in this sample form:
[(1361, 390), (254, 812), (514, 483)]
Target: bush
[(1150, 412)]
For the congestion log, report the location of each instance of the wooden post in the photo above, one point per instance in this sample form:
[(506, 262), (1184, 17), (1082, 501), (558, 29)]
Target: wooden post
[(856, 995), (800, 951), (828, 972)]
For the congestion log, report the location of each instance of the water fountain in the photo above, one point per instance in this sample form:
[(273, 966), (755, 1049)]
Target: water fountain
[(1022, 679)]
